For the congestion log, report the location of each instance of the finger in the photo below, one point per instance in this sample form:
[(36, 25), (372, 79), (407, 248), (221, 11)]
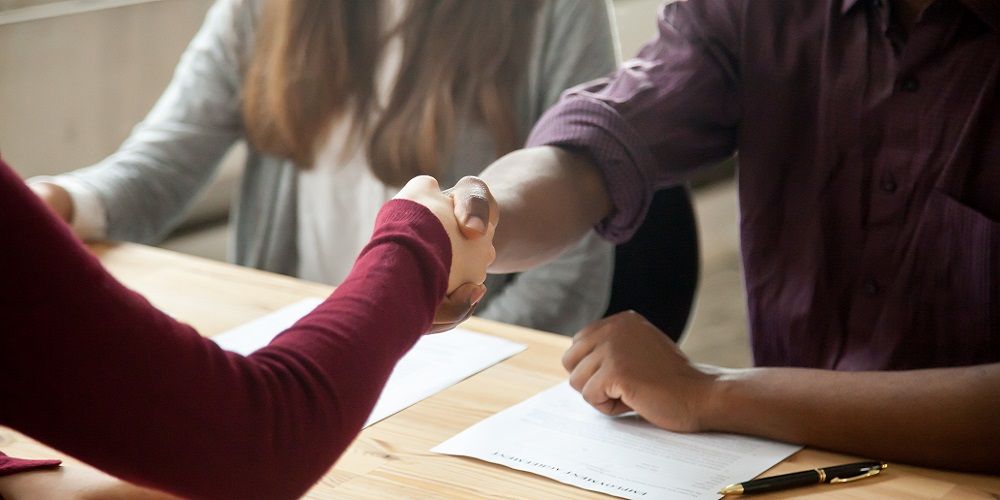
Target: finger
[(618, 407), (475, 208), (454, 308), (615, 393), (457, 306), (424, 182), (437, 327), (594, 392), (445, 327), (419, 187), (635, 321), (491, 257), (583, 343), (596, 328), (584, 371)]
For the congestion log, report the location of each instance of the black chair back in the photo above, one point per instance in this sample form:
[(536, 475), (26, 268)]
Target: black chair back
[(656, 272)]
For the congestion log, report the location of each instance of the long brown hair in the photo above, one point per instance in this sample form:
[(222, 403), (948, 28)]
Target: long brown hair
[(315, 60)]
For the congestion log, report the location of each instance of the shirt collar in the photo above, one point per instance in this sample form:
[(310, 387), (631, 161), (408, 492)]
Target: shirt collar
[(987, 10)]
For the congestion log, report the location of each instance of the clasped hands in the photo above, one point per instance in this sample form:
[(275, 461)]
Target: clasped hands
[(470, 216), (619, 364)]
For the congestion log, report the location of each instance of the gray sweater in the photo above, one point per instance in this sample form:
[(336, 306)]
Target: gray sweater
[(154, 176)]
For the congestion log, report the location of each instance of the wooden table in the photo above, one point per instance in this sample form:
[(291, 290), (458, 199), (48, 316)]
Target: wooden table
[(392, 459)]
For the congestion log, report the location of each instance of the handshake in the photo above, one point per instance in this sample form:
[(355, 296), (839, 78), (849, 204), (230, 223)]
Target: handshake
[(470, 215), (467, 211)]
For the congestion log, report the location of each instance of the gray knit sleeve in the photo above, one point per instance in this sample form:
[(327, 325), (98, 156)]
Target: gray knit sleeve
[(171, 155)]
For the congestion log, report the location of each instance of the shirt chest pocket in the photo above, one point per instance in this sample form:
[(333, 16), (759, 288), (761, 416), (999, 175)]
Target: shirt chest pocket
[(951, 306)]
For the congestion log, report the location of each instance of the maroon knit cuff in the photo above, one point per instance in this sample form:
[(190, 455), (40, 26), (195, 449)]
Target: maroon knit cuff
[(418, 218)]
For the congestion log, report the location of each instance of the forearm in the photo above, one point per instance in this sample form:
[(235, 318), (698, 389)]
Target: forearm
[(549, 198), (171, 156), (118, 392), (936, 417), (95, 370)]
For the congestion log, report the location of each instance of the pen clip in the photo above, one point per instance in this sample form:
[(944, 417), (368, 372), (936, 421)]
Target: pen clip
[(870, 473)]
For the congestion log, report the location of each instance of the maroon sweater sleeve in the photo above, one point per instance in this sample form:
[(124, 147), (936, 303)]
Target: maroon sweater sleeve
[(91, 368)]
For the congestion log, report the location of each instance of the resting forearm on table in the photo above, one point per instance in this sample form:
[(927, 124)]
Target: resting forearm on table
[(93, 369), (549, 198), (945, 417)]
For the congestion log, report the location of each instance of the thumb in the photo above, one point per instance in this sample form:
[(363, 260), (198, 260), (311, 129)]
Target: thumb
[(475, 207)]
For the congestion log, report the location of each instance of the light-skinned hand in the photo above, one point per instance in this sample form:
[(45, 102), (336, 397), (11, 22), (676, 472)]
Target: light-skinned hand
[(57, 199), (475, 211)]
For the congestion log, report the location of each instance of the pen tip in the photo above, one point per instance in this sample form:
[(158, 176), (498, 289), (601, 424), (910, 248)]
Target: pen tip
[(732, 489)]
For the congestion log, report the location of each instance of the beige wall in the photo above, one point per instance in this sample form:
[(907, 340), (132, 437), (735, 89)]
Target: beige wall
[(73, 85), (636, 23), (76, 75)]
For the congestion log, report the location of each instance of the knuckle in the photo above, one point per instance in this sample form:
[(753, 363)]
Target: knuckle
[(567, 359), (474, 181), (426, 181), (628, 316), (605, 408), (475, 188), (587, 331)]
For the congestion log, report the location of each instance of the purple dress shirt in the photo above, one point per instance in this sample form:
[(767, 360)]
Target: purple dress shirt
[(869, 176)]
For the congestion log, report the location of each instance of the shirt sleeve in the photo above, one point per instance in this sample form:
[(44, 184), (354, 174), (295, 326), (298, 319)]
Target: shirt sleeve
[(93, 369), (668, 111), (11, 465), (156, 174)]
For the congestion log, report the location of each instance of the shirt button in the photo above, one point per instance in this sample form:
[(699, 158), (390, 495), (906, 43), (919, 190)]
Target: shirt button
[(877, 3), (871, 288), (910, 84), (889, 186)]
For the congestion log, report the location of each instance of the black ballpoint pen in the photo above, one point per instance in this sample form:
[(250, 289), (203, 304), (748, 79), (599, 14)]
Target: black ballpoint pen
[(835, 474)]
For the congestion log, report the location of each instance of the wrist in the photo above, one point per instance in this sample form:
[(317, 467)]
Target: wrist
[(718, 405), (56, 198)]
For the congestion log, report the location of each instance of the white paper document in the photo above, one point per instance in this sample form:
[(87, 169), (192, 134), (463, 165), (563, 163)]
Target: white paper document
[(249, 337), (435, 363), (556, 434)]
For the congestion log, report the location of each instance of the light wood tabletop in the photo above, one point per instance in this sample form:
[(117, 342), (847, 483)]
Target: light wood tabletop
[(391, 459)]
